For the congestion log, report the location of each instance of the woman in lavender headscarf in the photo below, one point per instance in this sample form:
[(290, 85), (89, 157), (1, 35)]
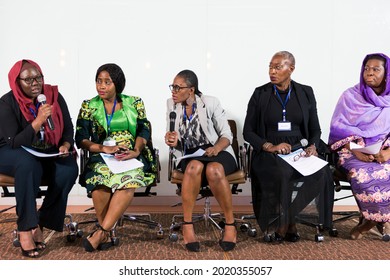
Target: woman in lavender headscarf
[(362, 116)]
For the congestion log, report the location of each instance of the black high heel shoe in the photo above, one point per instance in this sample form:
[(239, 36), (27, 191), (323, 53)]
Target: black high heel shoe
[(41, 245), (102, 246), (292, 236), (227, 245), (192, 246), (33, 253)]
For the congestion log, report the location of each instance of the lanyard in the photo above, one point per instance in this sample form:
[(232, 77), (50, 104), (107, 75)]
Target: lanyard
[(41, 129), (185, 114), (283, 103), (111, 116)]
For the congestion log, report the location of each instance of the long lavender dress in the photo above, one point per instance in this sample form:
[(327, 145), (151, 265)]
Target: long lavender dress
[(363, 117)]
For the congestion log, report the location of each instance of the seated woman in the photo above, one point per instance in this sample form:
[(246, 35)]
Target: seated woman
[(279, 115), (362, 116), (113, 123), (45, 127), (202, 123)]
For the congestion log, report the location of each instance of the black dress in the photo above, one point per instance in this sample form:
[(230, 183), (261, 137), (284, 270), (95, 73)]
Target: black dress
[(280, 194)]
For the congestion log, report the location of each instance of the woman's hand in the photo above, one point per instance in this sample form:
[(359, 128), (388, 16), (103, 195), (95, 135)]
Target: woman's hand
[(211, 151), (282, 148), (64, 149), (171, 138), (311, 151), (363, 157), (382, 156), (125, 154)]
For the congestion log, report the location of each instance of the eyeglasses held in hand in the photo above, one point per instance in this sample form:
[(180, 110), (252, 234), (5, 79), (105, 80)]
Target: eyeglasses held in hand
[(298, 156), (176, 88), (30, 80)]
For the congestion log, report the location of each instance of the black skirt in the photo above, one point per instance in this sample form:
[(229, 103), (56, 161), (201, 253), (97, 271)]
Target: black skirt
[(224, 158)]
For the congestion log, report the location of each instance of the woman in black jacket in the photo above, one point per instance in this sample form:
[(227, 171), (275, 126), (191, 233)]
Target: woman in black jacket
[(41, 123), (279, 115)]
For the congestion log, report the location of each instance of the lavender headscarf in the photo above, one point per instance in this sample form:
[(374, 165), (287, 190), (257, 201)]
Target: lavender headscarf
[(361, 113)]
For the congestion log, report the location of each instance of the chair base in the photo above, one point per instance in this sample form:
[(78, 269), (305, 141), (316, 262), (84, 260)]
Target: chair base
[(142, 218), (208, 218), (10, 219), (318, 237)]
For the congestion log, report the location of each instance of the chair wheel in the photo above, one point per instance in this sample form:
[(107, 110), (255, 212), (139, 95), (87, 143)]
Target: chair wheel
[(115, 241), (252, 232), (160, 234), (80, 233), (333, 232), (16, 242), (175, 227), (173, 237), (71, 237), (267, 238), (319, 238), (244, 227)]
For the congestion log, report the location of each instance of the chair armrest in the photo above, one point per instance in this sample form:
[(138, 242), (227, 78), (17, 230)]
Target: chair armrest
[(84, 155), (242, 161), (171, 163), (158, 164)]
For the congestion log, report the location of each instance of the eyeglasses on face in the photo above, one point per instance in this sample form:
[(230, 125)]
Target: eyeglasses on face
[(30, 80), (298, 156), (176, 88), (276, 67)]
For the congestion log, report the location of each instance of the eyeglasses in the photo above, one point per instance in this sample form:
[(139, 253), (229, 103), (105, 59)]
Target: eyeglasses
[(277, 67), (30, 80), (298, 156), (176, 88)]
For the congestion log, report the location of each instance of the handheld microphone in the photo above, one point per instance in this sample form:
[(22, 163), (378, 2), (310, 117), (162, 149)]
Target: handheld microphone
[(302, 144), (42, 99), (172, 119)]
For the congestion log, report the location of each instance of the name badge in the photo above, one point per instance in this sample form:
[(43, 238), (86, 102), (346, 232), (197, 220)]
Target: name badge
[(284, 126)]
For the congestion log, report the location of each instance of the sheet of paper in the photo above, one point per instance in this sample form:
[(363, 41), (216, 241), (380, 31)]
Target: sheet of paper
[(198, 153), (371, 149), (39, 154), (117, 166), (304, 165)]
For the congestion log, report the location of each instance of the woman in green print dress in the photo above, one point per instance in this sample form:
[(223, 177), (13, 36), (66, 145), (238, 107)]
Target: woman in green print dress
[(112, 123)]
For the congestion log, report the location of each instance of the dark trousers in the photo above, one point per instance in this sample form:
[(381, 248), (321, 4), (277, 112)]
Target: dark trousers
[(60, 173)]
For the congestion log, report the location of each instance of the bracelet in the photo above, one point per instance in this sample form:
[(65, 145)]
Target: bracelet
[(266, 145)]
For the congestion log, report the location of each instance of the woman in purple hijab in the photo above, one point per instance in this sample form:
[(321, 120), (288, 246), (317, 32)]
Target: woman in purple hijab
[(362, 116)]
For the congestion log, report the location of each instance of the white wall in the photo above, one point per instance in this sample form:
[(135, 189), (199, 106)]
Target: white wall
[(228, 43)]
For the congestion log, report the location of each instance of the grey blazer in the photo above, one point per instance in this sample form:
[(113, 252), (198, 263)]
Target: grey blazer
[(212, 118)]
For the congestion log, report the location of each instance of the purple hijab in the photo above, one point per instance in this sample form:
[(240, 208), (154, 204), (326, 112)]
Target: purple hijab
[(361, 113)]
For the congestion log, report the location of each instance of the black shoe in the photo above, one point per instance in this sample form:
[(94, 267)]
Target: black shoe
[(102, 246), (227, 245), (33, 253), (277, 237), (292, 236), (192, 246)]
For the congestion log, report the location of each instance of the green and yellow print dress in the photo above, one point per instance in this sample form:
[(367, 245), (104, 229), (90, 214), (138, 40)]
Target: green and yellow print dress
[(125, 126)]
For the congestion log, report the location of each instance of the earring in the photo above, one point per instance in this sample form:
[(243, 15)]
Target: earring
[(190, 100)]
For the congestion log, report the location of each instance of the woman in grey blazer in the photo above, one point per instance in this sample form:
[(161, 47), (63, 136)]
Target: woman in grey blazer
[(201, 123)]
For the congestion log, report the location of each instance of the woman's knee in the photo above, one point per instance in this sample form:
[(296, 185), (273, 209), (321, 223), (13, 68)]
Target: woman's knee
[(194, 169), (215, 171)]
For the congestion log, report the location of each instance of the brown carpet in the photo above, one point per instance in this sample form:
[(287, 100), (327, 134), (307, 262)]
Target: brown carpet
[(138, 242)]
